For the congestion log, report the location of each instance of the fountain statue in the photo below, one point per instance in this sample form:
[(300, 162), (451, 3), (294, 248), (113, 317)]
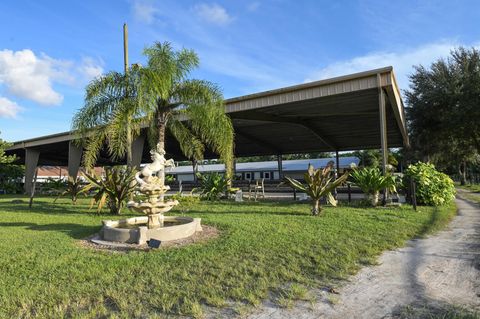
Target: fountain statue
[(154, 188), (151, 183)]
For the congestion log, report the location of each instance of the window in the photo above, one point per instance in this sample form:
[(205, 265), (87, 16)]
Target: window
[(247, 176), (267, 175)]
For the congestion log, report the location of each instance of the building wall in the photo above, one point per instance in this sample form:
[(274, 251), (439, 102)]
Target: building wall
[(185, 177)]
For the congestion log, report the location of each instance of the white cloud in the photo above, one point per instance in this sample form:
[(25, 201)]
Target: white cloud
[(90, 68), (213, 13), (144, 11), (402, 62), (8, 109), (29, 76)]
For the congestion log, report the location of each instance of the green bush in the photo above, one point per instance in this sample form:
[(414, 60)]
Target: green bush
[(371, 181), (432, 187), (113, 189), (213, 186)]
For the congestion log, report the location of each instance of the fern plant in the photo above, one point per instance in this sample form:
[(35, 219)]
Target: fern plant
[(319, 183), (371, 181), (113, 189)]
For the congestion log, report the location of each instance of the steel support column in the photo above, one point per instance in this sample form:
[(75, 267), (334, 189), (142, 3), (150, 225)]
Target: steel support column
[(74, 159), (31, 162), (137, 151), (280, 166), (383, 131), (337, 171)]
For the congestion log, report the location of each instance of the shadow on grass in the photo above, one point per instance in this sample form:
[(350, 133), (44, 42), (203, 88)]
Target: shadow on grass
[(46, 207), (436, 221), (76, 231)]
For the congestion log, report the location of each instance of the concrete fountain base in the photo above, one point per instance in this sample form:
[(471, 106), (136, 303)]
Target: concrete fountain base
[(126, 230)]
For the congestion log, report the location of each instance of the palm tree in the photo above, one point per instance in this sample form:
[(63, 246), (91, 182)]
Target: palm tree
[(108, 116), (162, 96)]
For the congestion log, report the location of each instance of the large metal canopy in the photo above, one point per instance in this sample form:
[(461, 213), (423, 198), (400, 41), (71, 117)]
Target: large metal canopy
[(338, 114)]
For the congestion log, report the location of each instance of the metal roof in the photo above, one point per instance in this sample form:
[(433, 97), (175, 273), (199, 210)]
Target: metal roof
[(336, 114), (287, 165)]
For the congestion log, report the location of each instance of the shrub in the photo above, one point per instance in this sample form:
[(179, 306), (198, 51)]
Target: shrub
[(319, 183), (371, 181), (11, 178), (53, 186), (73, 188), (213, 186), (432, 187), (114, 189)]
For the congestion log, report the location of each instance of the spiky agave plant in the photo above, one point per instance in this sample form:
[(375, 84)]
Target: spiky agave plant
[(319, 183), (113, 189)]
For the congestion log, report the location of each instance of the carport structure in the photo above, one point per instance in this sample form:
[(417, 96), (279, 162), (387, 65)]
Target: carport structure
[(352, 112)]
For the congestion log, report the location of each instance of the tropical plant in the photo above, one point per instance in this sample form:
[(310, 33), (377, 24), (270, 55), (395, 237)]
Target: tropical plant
[(371, 181), (9, 172), (162, 96), (11, 178), (319, 183), (187, 202), (53, 185), (213, 185), (5, 159), (108, 116), (113, 189), (432, 187), (74, 188)]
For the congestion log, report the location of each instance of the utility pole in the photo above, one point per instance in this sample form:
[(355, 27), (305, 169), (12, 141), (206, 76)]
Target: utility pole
[(125, 47)]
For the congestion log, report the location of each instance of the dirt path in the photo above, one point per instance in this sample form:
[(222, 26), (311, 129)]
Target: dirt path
[(431, 274)]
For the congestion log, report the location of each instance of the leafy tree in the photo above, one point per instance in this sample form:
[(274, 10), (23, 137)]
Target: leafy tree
[(9, 172), (373, 158), (5, 159), (443, 110)]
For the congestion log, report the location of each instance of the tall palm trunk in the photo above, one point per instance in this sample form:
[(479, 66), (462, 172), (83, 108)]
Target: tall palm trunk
[(129, 145), (162, 124)]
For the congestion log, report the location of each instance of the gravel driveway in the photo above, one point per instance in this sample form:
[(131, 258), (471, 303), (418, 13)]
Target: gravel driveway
[(428, 276)]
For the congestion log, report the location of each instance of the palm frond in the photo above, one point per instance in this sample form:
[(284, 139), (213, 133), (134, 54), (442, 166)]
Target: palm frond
[(191, 146)]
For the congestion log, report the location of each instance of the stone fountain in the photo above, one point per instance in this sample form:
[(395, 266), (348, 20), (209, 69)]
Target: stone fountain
[(138, 230)]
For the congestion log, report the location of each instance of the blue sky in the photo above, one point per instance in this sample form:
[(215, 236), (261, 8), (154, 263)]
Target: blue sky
[(49, 50)]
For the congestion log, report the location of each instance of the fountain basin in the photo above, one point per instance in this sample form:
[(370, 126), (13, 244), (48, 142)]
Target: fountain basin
[(135, 231)]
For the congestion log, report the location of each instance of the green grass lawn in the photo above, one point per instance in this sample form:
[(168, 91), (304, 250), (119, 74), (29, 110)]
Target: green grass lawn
[(470, 192), (263, 247)]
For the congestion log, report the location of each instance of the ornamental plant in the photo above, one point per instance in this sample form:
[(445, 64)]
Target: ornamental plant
[(74, 188), (113, 189), (433, 188), (371, 181), (213, 186), (319, 183)]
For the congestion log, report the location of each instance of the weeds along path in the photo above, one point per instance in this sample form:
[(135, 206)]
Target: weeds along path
[(430, 275)]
